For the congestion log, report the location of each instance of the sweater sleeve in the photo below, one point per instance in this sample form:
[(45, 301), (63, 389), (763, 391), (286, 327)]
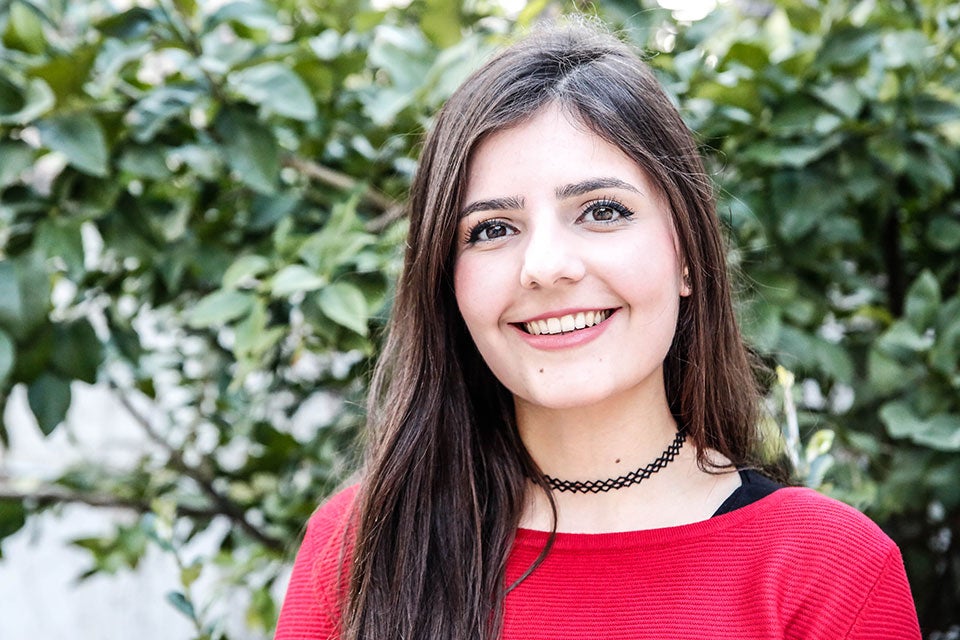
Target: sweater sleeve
[(309, 610), (889, 612)]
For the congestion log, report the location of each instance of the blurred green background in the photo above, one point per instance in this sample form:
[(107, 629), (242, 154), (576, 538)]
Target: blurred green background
[(201, 212)]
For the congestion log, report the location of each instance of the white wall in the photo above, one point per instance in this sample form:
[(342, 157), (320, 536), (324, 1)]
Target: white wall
[(40, 598)]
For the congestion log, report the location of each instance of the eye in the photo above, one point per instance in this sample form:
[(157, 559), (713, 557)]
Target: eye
[(605, 211), (489, 230)]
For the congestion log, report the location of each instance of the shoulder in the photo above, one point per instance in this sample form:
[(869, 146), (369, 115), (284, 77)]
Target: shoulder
[(334, 513), (810, 514), (825, 554), (327, 541), (809, 538), (311, 605)]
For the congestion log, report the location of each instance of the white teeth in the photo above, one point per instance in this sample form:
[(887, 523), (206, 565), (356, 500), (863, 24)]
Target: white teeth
[(567, 323)]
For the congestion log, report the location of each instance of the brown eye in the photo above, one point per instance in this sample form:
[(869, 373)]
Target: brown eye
[(605, 211), (495, 231), (490, 230)]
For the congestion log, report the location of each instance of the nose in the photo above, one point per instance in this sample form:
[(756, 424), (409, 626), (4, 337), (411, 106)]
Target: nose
[(551, 257)]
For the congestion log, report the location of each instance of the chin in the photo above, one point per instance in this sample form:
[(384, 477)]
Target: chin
[(558, 398)]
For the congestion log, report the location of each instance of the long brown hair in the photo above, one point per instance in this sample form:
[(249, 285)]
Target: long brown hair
[(443, 487)]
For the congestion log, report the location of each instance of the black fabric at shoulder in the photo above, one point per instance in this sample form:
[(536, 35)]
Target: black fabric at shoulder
[(753, 486)]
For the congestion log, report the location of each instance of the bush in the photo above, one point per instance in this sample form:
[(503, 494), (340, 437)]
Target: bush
[(200, 210)]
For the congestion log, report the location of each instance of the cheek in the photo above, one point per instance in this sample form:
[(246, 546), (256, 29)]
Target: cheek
[(473, 292)]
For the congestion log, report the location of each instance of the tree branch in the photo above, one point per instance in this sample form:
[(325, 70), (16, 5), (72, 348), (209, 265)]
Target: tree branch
[(389, 208), (51, 495), (223, 504)]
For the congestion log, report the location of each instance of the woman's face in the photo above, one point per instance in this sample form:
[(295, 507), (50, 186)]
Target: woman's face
[(567, 271)]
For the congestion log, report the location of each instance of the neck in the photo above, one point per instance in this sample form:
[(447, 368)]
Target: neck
[(599, 441), (607, 441)]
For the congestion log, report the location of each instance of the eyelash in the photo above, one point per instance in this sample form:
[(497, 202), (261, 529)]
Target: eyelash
[(607, 203), (472, 235)]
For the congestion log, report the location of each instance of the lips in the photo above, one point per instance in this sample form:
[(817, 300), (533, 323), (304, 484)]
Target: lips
[(565, 323)]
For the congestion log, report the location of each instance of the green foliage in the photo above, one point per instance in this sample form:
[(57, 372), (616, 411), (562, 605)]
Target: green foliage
[(200, 210), (834, 131)]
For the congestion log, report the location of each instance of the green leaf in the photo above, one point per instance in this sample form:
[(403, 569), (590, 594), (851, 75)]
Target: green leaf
[(147, 161), (899, 419), (843, 97), (251, 150), (941, 432), (25, 312), (761, 325), (804, 200), (403, 53), (905, 48), (181, 604), (888, 375), (945, 354), (943, 233), (930, 111), (889, 147), (22, 106), (252, 336), (78, 353), (776, 153), (186, 8), (13, 516), (295, 278), (344, 304), (60, 239), (189, 575), (80, 138), (254, 15), (903, 341), (157, 109), (11, 307), (847, 46), (8, 354), (243, 269), (277, 89), (923, 300), (14, 158), (49, 399), (129, 25), (24, 30), (219, 308), (205, 162), (67, 73), (440, 22)]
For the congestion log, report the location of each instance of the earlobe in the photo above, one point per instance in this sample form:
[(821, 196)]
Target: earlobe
[(685, 288)]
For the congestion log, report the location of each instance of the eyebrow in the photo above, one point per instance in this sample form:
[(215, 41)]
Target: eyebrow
[(592, 184), (562, 193), (493, 204)]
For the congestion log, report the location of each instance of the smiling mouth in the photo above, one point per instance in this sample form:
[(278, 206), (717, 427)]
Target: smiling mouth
[(565, 324)]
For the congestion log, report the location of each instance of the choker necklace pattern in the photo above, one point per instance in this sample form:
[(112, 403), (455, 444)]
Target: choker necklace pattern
[(627, 480)]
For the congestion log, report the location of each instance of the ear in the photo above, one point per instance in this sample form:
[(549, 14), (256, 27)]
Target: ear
[(685, 288)]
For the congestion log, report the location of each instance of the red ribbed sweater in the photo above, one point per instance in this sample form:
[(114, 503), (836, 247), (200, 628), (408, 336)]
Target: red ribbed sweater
[(794, 564)]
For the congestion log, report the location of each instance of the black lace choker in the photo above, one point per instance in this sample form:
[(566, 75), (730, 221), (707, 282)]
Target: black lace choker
[(627, 480)]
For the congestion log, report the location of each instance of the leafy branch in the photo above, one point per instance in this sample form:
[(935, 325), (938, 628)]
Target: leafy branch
[(223, 505)]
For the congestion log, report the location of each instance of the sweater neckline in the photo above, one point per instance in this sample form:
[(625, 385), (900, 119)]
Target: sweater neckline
[(661, 535)]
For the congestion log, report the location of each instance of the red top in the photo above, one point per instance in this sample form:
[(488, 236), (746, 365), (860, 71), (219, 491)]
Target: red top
[(794, 564)]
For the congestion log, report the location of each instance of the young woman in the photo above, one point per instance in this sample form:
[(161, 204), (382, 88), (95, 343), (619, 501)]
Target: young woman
[(562, 429)]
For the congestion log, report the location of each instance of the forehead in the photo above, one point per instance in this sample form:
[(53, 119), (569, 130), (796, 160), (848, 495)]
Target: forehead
[(549, 148)]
